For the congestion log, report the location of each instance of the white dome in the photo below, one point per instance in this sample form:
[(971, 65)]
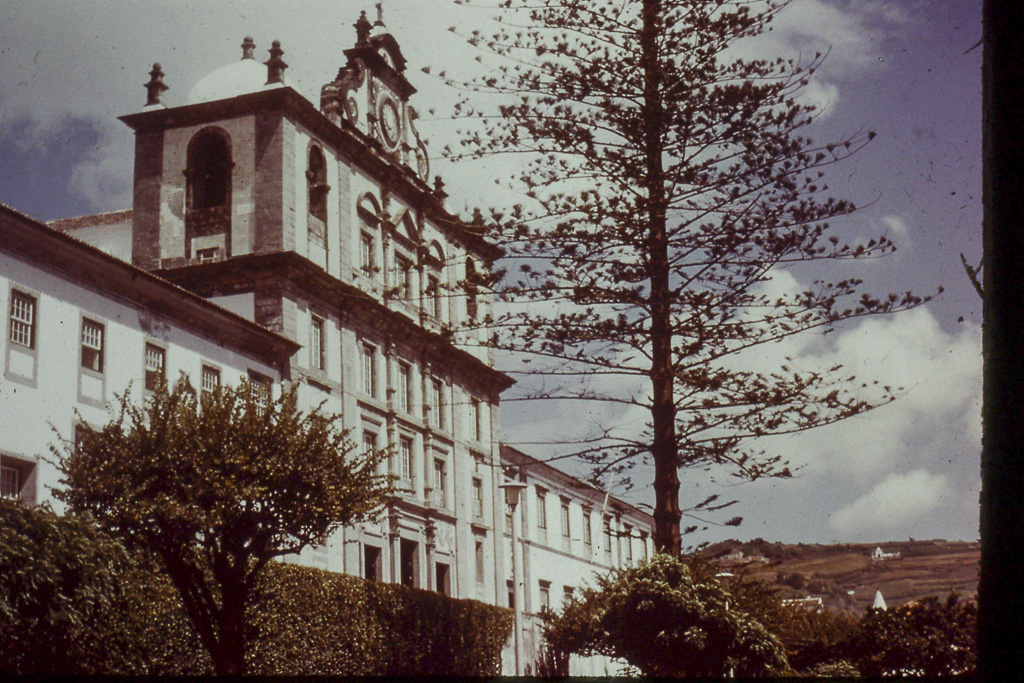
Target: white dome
[(232, 80)]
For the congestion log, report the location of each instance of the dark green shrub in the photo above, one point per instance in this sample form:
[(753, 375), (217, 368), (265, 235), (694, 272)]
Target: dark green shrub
[(427, 634), (57, 574), (306, 621)]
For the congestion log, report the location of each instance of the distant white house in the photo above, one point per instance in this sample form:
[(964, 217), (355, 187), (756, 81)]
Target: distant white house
[(811, 604), (880, 555)]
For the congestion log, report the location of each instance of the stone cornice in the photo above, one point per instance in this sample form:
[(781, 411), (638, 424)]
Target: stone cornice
[(288, 267)]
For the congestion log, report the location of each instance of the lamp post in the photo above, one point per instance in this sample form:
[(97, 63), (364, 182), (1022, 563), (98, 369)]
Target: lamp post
[(512, 491)]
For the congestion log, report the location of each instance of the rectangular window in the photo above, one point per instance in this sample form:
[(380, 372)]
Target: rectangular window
[(442, 579), (404, 279), (478, 497), (588, 539), (317, 357), (508, 518), (409, 563), (10, 482), (369, 371), (434, 296), (440, 483), (476, 416), (366, 260), (643, 547), (210, 379), (92, 345), (542, 509), (207, 255), (23, 320), (566, 530), (628, 532), (479, 556), (404, 387), (156, 362), (437, 404), (567, 592), (608, 537), (545, 595), (371, 563), (369, 443), (260, 390), (405, 457)]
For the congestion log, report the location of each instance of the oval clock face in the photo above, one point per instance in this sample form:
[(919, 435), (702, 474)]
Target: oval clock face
[(389, 122), (422, 164)]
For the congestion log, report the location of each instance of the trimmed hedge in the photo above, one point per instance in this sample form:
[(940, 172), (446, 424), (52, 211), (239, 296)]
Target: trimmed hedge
[(307, 622)]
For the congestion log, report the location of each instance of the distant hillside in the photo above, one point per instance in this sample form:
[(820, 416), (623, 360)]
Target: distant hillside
[(846, 577)]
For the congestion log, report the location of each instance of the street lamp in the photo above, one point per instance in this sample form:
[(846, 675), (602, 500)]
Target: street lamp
[(512, 491)]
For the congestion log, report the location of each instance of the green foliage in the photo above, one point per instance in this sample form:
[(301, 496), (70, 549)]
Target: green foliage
[(668, 618), (926, 638), (306, 622), (216, 486), (427, 634), (56, 574)]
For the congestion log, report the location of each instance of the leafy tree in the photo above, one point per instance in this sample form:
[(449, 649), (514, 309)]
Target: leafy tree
[(925, 638), (667, 180), (56, 574), (217, 486), (667, 618)]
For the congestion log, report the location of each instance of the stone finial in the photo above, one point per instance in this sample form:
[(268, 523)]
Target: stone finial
[(439, 188), (247, 47), (275, 65), (363, 27), (379, 24), (156, 86)]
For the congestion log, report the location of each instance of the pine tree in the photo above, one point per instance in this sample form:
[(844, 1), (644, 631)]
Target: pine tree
[(666, 180)]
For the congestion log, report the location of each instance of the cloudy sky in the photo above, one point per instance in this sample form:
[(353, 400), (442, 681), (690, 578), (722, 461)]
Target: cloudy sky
[(903, 68)]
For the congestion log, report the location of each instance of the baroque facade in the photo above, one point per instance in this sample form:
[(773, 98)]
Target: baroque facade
[(293, 244)]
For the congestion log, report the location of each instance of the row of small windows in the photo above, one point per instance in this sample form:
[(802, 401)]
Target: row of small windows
[(626, 535), (403, 465), (23, 332), (436, 409)]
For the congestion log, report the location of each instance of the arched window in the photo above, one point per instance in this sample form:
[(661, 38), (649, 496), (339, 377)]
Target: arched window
[(316, 180), (209, 170)]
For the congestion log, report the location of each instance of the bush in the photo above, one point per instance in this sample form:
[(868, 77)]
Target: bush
[(57, 574), (926, 638), (666, 617), (306, 622)]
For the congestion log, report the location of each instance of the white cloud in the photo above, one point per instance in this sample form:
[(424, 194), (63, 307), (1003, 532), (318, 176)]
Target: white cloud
[(893, 504)]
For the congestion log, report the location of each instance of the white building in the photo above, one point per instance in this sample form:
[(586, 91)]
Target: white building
[(273, 239), (82, 326), (570, 531)]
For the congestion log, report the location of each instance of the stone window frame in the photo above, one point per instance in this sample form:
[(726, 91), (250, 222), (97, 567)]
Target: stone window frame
[(317, 342), (88, 347), (152, 376), (209, 370), (21, 474), (317, 189), (15, 291), (369, 369), (369, 238)]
